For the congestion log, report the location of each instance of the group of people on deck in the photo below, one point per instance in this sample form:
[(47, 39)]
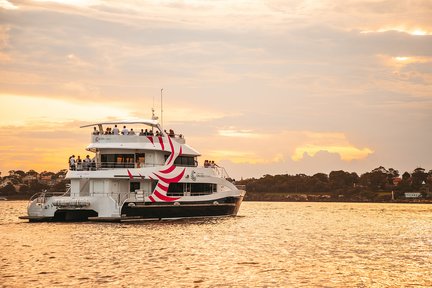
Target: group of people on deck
[(210, 164), (125, 131), (82, 164)]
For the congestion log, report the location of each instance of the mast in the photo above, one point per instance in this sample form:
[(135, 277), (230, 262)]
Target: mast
[(161, 109)]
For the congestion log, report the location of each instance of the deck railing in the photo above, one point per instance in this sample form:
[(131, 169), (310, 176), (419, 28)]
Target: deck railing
[(109, 138), (41, 197), (93, 166)]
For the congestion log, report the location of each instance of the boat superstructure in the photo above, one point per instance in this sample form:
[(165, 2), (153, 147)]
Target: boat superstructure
[(149, 176)]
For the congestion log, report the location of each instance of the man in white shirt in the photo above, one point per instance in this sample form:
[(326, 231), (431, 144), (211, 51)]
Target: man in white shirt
[(116, 130), (72, 163), (87, 162), (125, 131)]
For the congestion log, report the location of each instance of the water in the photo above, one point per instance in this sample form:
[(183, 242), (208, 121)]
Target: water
[(267, 245)]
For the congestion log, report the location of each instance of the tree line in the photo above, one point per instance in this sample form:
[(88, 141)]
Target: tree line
[(341, 184), (372, 186), (21, 184)]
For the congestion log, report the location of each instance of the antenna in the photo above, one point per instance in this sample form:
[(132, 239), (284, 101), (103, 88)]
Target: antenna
[(161, 109), (154, 117)]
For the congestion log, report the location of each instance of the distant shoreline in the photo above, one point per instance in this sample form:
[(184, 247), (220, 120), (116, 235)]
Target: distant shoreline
[(283, 198)]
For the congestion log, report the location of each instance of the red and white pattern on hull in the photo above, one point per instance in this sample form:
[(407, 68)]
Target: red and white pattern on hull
[(169, 174)]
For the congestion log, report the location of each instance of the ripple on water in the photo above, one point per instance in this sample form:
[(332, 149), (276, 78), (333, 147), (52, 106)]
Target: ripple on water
[(269, 244)]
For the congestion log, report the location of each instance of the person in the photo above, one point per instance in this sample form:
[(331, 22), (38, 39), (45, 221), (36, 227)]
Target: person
[(95, 131), (115, 130), (206, 164), (79, 163), (131, 132), (171, 133), (146, 133), (72, 164), (157, 133), (142, 133), (125, 131), (93, 164), (150, 133), (87, 163), (213, 164)]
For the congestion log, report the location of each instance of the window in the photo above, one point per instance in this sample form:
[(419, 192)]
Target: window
[(195, 189), (140, 159), (117, 160), (134, 186), (185, 161)]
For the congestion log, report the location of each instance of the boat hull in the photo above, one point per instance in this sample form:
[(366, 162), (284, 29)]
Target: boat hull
[(228, 206)]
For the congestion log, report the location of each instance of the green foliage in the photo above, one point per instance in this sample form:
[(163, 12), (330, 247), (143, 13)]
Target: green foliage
[(9, 189), (370, 186)]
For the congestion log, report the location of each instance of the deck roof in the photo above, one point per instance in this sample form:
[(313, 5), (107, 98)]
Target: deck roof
[(153, 123)]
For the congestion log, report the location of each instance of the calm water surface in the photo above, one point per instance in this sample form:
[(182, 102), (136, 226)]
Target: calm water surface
[(267, 245)]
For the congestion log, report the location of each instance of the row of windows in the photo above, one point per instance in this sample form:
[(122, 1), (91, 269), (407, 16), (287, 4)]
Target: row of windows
[(180, 189), (128, 160), (117, 160), (185, 161)]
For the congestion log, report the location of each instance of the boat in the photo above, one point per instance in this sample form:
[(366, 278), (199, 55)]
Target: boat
[(3, 199), (151, 175)]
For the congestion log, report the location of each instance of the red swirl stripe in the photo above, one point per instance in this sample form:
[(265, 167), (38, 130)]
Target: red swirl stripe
[(161, 143), (171, 180), (163, 197), (169, 170), (172, 151), (164, 188)]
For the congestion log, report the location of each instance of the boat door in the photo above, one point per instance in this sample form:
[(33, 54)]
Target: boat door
[(146, 187), (115, 190)]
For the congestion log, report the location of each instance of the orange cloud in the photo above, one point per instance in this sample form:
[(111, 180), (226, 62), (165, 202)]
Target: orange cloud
[(416, 31), (346, 153), (247, 146), (336, 143)]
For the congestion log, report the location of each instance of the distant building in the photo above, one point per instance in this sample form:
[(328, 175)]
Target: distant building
[(413, 195), (29, 178), (46, 179), (396, 181)]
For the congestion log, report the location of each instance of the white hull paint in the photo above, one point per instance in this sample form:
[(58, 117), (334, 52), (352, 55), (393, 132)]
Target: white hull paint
[(162, 188)]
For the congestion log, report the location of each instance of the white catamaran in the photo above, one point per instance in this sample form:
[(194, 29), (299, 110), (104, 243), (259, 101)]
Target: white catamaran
[(152, 175)]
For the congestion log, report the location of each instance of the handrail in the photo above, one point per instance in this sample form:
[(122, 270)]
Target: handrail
[(42, 196), (241, 187), (221, 172), (123, 199), (93, 166)]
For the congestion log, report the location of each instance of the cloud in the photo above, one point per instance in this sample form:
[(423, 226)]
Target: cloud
[(7, 5), (257, 82), (346, 153), (239, 133), (257, 148)]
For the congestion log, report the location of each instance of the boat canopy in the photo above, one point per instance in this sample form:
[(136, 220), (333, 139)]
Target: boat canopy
[(152, 123)]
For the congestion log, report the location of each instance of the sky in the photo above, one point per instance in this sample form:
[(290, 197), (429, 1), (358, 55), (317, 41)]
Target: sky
[(261, 87)]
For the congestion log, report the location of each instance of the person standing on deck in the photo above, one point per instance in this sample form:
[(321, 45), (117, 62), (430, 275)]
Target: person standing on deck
[(87, 163), (79, 163), (72, 164), (125, 131), (115, 130)]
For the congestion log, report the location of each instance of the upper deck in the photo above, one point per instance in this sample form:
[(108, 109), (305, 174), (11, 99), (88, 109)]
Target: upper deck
[(147, 135)]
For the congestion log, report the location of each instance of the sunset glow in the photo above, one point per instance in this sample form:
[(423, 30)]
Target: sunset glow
[(260, 87)]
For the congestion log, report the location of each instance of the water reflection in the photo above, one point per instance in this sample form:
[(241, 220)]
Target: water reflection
[(269, 244)]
